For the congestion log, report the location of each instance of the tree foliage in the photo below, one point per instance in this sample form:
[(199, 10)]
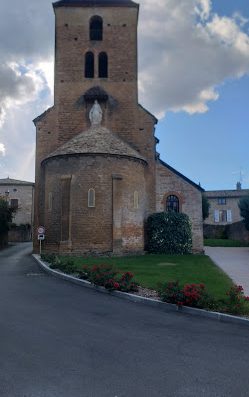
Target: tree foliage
[(205, 207), (244, 210), (6, 214), (169, 233)]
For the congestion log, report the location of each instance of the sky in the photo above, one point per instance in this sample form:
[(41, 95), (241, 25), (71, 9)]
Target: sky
[(193, 58)]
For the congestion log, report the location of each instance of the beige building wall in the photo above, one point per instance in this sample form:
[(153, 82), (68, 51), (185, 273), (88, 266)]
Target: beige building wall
[(224, 206), (24, 193)]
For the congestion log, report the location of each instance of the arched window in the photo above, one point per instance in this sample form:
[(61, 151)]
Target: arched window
[(50, 201), (136, 201), (103, 65), (91, 198), (96, 28), (89, 65), (172, 203)]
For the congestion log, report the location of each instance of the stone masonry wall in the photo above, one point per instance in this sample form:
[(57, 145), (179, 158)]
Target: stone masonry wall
[(121, 113), (189, 197), (24, 195), (91, 229)]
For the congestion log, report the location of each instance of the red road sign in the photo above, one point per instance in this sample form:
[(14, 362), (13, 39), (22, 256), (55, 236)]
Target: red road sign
[(41, 230)]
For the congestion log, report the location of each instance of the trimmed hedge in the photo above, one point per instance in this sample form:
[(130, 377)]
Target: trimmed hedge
[(169, 233)]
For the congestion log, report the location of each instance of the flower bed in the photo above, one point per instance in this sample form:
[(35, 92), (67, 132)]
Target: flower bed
[(196, 295), (110, 278), (184, 294)]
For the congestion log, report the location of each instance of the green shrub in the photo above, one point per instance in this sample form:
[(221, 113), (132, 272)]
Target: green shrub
[(194, 295), (126, 284), (171, 292), (108, 277), (205, 207), (236, 300), (6, 214), (66, 266), (50, 258), (24, 226), (99, 274), (169, 233), (244, 210)]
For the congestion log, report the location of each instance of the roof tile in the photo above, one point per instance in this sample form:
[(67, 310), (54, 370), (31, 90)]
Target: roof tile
[(96, 140)]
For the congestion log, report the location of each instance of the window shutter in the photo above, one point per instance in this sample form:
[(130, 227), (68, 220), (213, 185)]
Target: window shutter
[(229, 215), (216, 216)]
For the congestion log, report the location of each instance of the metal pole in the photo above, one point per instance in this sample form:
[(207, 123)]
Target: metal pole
[(40, 247)]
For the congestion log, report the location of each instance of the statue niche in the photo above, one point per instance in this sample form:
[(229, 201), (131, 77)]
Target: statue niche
[(95, 114)]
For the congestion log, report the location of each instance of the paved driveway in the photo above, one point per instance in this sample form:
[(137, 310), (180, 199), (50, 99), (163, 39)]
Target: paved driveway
[(61, 340), (234, 262)]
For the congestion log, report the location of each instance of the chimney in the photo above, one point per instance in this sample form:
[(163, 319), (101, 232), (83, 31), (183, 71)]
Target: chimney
[(238, 186)]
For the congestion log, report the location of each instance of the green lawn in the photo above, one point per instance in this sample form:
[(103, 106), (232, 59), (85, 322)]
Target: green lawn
[(224, 243), (149, 270)]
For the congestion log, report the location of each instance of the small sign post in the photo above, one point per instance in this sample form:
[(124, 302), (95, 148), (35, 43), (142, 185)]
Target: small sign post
[(41, 236)]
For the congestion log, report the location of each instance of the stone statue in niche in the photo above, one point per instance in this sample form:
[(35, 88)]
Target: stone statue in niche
[(96, 114)]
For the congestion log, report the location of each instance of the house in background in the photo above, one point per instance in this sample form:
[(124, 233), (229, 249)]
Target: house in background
[(224, 208), (20, 195), (224, 219)]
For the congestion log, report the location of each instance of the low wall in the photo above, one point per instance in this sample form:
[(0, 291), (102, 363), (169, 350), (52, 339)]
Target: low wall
[(3, 240), (234, 231), (19, 235), (237, 231), (214, 231)]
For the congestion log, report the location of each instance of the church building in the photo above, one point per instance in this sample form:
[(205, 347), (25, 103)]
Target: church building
[(98, 174)]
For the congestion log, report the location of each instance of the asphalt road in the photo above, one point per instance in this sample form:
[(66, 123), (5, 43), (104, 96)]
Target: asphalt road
[(60, 340)]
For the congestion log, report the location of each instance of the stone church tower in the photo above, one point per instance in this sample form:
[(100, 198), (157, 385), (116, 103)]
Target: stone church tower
[(95, 180), (98, 175)]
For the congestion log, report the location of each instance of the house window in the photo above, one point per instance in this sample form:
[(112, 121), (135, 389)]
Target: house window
[(91, 198), (89, 65), (136, 201), (222, 200), (223, 216), (103, 65), (96, 28), (14, 204), (172, 203)]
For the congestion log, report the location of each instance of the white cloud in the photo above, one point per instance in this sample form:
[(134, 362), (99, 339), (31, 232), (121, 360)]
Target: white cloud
[(47, 69), (2, 149), (186, 52)]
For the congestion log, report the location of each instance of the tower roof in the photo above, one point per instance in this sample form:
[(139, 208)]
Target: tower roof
[(96, 140), (95, 3)]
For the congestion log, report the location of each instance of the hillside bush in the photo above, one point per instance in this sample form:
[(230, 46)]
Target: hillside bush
[(194, 295), (169, 233), (6, 214), (244, 210)]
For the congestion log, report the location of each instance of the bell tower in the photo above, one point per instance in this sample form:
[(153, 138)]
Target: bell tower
[(96, 50), (111, 154)]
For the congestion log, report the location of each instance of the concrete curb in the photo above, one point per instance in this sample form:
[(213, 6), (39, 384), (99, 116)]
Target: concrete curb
[(168, 307)]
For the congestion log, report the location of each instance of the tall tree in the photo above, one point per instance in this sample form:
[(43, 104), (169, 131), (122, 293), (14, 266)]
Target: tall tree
[(6, 214), (244, 210), (205, 207)]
